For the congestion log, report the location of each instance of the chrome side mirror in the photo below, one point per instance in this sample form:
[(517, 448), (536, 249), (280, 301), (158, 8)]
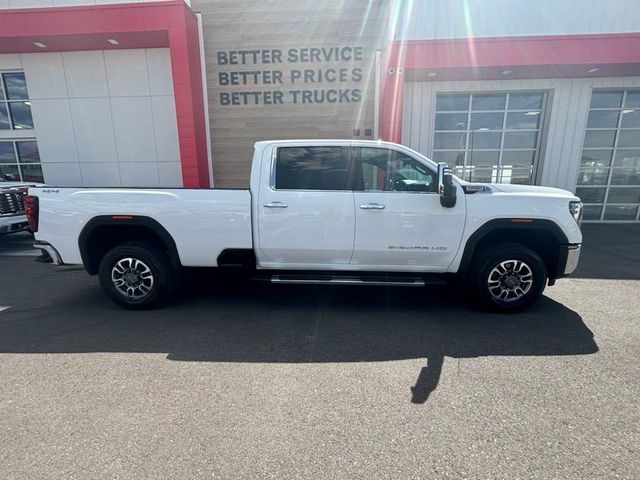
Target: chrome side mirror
[(446, 187)]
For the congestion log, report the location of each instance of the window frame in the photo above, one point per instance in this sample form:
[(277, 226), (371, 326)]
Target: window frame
[(274, 167), (465, 171), (614, 149), (359, 171), (356, 177), (6, 101), (19, 163)]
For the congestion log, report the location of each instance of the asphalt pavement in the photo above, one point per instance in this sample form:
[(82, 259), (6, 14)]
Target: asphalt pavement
[(243, 380), (17, 245)]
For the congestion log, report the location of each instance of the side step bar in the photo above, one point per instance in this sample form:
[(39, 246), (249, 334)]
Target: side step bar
[(348, 280)]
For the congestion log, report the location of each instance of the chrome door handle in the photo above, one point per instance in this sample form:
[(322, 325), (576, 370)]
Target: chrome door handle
[(275, 205), (371, 206)]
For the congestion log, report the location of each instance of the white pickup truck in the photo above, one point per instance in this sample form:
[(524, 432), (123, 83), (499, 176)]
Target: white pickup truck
[(12, 214), (319, 212)]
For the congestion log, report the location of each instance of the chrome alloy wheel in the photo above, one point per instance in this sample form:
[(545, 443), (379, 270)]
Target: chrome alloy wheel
[(132, 278), (510, 280)]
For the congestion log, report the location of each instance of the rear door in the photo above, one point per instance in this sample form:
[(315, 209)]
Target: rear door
[(306, 213), (400, 224)]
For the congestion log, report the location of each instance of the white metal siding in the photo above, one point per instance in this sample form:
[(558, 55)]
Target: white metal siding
[(567, 111), (422, 20), (102, 118)]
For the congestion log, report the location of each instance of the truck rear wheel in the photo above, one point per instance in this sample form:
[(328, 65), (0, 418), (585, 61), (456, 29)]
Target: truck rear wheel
[(508, 277), (134, 275)]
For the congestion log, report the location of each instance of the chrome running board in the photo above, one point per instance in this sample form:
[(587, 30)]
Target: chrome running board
[(348, 280)]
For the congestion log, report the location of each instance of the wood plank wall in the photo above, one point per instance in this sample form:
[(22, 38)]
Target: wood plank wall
[(236, 25)]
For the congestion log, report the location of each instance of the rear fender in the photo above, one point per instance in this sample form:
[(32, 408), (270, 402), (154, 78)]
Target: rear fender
[(89, 239)]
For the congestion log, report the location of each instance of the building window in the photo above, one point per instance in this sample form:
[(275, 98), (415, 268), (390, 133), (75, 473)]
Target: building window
[(15, 107), (609, 175), (489, 137), (19, 158), (20, 161)]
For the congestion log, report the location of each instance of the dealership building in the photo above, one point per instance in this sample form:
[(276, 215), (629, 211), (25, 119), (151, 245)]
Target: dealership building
[(174, 93)]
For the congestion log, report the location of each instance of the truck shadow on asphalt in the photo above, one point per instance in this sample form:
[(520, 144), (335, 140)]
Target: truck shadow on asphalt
[(248, 322)]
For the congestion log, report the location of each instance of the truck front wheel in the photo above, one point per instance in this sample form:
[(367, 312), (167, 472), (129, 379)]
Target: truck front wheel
[(508, 277), (134, 275)]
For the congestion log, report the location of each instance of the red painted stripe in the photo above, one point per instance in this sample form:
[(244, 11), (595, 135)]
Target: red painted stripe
[(514, 51)]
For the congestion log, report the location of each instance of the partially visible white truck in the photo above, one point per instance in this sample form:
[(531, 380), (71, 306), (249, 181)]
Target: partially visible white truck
[(12, 214), (320, 212)]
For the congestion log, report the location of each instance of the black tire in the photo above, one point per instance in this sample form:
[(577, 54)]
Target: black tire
[(488, 282), (152, 263)]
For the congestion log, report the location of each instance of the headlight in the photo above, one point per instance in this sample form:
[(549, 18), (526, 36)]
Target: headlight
[(575, 208)]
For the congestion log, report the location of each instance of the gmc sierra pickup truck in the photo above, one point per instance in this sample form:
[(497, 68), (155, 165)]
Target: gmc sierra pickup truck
[(12, 214), (319, 212)]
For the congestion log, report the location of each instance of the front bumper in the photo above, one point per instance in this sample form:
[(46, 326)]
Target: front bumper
[(573, 256), (568, 257)]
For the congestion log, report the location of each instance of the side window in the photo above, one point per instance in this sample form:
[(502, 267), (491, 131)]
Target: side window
[(312, 168), (392, 171)]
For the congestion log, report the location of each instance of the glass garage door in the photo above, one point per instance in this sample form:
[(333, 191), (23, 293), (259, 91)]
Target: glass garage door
[(609, 176), (489, 137)]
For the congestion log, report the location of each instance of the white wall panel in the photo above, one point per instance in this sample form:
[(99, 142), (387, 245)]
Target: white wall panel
[(62, 174), (56, 140), (170, 174), (411, 103), (110, 108), (567, 124), (93, 130), (127, 73), (69, 3), (138, 174), (158, 64), (45, 72), (415, 19), (85, 73), (10, 61), (100, 174), (418, 122), (165, 125), (133, 126), (30, 3), (567, 111)]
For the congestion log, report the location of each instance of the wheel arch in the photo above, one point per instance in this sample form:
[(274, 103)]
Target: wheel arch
[(542, 236), (104, 232)]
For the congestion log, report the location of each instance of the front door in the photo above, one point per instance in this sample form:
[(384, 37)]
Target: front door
[(306, 216), (400, 224)]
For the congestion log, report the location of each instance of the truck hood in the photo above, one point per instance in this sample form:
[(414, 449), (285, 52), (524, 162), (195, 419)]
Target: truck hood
[(531, 190)]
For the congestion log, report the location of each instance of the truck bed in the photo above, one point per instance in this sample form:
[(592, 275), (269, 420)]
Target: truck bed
[(202, 222)]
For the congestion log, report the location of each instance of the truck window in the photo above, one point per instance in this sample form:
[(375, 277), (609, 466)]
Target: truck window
[(392, 171), (312, 168)]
